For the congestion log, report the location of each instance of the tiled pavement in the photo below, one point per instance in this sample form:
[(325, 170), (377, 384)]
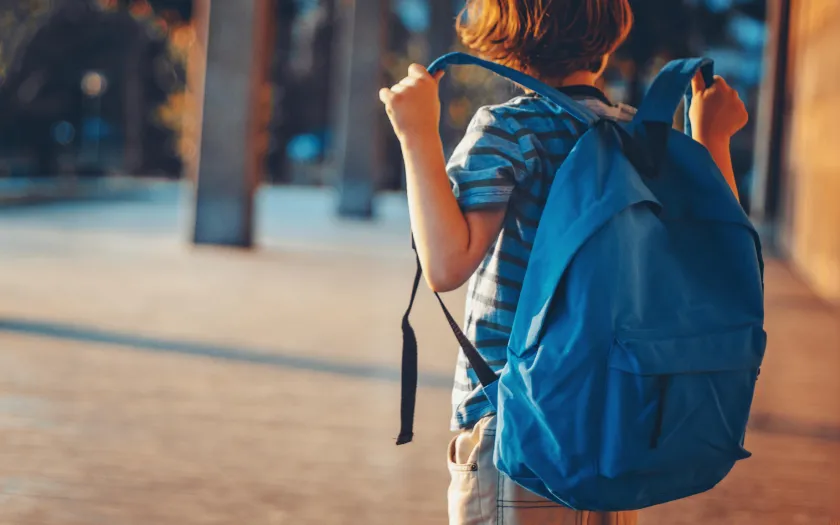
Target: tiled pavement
[(146, 382)]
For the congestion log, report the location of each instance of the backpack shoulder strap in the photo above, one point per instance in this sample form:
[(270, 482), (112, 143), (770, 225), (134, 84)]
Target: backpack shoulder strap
[(670, 85), (579, 111), (486, 376)]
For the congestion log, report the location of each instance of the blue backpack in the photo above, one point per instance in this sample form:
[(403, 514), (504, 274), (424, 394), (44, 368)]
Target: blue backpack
[(639, 334)]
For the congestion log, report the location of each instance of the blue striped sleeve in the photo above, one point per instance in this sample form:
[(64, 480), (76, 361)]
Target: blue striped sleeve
[(486, 165)]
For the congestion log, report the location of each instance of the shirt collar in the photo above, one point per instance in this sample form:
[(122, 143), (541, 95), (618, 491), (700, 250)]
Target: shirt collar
[(581, 91)]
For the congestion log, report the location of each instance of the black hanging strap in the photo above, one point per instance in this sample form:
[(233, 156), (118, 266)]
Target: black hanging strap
[(485, 374), (408, 398)]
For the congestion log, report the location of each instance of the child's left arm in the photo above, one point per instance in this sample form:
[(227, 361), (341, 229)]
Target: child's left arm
[(717, 113), (451, 243)]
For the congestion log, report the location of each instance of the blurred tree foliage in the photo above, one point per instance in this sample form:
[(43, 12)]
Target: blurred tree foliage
[(18, 19), (168, 23), (49, 45)]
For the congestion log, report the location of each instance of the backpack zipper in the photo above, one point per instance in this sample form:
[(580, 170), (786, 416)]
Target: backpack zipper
[(660, 411)]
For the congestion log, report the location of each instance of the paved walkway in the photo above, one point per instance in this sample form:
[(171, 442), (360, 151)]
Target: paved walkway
[(143, 381)]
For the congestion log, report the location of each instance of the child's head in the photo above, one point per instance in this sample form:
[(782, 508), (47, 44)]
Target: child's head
[(548, 39)]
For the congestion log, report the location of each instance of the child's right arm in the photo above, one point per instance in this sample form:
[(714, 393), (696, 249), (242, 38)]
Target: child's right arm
[(716, 114), (450, 242)]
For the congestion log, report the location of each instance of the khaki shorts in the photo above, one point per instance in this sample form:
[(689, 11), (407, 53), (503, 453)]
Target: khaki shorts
[(481, 495)]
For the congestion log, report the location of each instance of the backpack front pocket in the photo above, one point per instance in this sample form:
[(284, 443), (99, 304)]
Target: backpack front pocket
[(678, 403)]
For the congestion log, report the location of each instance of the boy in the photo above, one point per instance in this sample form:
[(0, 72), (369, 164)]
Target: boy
[(476, 217)]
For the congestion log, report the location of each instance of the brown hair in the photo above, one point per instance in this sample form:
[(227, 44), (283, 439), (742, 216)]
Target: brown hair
[(549, 39)]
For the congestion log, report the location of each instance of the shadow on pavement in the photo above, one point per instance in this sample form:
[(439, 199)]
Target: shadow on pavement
[(197, 349), (760, 422)]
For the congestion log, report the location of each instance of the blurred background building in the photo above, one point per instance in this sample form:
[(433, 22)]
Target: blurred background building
[(798, 168), (92, 88), (96, 88), (144, 379), (131, 119)]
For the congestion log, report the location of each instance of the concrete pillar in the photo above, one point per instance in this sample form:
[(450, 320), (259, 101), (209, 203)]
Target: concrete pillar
[(768, 180), (232, 136), (358, 133)]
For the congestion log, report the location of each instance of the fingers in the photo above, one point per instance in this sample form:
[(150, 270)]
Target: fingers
[(698, 83), (719, 80), (389, 95), (417, 76), (723, 86), (386, 96), (419, 72)]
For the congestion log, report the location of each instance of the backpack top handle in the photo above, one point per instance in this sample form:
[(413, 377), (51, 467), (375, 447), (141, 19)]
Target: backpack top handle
[(670, 85), (580, 112)]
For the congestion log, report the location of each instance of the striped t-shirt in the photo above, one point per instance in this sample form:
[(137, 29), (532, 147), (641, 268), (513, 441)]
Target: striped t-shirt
[(508, 158)]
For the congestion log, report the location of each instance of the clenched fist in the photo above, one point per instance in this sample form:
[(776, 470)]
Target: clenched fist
[(716, 111), (413, 105)]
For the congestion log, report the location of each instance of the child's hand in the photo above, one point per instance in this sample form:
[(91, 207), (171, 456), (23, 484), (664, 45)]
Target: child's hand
[(413, 105), (716, 112)]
